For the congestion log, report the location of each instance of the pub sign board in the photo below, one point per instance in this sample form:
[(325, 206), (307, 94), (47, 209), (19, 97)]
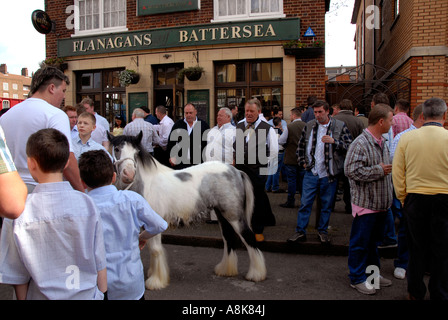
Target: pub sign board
[(41, 21), (149, 7), (191, 35)]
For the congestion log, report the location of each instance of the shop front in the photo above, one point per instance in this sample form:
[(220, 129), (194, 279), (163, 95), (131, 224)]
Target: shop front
[(239, 61)]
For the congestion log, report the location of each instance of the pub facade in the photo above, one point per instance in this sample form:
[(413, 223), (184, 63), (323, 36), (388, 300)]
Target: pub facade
[(272, 50)]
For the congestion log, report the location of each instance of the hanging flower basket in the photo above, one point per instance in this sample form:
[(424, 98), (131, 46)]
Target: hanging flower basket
[(192, 73), (55, 62), (304, 50), (128, 77)]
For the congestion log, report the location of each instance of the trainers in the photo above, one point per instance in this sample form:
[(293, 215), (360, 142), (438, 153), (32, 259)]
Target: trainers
[(364, 288), (385, 282), (297, 237), (324, 238), (386, 245), (400, 273)]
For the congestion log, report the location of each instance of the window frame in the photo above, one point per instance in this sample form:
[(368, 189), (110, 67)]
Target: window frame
[(248, 16), (101, 29)]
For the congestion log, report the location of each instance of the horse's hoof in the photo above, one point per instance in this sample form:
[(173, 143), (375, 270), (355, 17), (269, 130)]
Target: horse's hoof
[(153, 283), (255, 276)]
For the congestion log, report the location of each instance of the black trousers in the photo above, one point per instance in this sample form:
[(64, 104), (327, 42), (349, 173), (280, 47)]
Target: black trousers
[(427, 221)]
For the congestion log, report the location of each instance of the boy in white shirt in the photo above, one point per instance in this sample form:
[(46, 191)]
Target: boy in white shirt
[(55, 249)]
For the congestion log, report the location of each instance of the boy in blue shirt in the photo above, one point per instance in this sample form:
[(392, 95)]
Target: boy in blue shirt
[(55, 249), (123, 213)]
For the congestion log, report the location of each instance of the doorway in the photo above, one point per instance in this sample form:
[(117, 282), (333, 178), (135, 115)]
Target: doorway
[(168, 90)]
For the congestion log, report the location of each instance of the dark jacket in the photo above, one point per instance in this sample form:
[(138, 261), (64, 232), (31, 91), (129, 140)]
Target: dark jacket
[(295, 129), (354, 124), (196, 143)]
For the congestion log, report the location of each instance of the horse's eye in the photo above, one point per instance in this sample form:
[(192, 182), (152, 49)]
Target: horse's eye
[(117, 149)]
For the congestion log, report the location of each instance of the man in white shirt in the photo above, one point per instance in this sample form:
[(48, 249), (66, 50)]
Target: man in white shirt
[(163, 129), (220, 138), (41, 111)]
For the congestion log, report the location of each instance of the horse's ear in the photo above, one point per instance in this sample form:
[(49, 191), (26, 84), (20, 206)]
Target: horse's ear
[(140, 136), (109, 136)]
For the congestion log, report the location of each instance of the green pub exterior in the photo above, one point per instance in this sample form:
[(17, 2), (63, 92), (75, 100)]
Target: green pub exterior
[(241, 58)]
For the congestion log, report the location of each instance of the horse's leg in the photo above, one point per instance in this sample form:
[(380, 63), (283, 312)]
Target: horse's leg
[(257, 268), (229, 264), (158, 273)]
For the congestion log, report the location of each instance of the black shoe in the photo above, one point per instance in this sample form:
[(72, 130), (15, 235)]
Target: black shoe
[(297, 237), (287, 205), (279, 191)]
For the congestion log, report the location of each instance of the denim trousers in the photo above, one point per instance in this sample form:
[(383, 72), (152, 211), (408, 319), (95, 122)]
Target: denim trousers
[(402, 251), (312, 184), (274, 179), (366, 231), (294, 174)]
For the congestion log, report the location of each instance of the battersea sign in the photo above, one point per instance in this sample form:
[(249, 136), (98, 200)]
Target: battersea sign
[(253, 31)]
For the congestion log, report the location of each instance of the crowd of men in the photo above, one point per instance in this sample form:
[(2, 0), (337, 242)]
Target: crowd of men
[(390, 167)]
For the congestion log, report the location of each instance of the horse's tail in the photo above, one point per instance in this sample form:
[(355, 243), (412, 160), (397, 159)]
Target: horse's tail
[(249, 193)]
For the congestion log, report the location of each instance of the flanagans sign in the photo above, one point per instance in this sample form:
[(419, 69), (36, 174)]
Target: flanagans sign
[(253, 31)]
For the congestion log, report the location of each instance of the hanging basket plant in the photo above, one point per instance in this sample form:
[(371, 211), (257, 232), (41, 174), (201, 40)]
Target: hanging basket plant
[(192, 73), (54, 62), (128, 77), (304, 50)]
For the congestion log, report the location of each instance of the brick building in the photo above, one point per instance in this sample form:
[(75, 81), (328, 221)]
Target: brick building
[(14, 87), (238, 44), (407, 38)]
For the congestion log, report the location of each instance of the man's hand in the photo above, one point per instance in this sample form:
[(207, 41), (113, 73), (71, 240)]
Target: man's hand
[(387, 168), (327, 139)]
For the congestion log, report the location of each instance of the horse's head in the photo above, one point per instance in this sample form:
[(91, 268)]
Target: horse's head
[(126, 152)]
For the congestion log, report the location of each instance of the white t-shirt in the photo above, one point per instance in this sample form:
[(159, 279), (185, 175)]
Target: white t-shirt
[(23, 120)]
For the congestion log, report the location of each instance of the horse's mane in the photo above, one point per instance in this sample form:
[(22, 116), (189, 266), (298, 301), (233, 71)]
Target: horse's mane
[(145, 157)]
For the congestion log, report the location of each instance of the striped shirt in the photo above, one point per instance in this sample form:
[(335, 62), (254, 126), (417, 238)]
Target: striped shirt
[(6, 163), (401, 122), (150, 135), (370, 188)]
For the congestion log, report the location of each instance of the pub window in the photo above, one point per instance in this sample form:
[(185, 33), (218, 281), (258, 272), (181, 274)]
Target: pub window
[(237, 82), (247, 9), (104, 88), (97, 16)]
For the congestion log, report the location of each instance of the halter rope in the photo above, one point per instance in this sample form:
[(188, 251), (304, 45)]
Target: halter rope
[(118, 162)]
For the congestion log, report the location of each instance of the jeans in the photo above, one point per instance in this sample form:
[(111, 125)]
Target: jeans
[(273, 180), (311, 186), (294, 174), (366, 231), (402, 251)]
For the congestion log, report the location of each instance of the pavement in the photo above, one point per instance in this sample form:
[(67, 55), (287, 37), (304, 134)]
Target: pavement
[(209, 235)]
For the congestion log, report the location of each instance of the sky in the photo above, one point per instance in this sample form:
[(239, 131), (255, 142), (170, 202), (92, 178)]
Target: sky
[(21, 46)]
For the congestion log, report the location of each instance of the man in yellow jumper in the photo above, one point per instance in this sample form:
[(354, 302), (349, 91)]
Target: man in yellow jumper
[(420, 177)]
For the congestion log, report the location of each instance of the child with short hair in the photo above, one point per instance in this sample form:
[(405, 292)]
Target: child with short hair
[(123, 213), (84, 142), (55, 249)]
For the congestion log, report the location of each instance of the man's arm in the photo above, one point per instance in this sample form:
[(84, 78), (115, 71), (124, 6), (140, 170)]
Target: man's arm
[(71, 173), (13, 194), (399, 173)]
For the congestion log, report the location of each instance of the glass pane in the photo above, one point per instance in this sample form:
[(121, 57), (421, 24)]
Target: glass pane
[(231, 7), (89, 7), (96, 6), (113, 19), (88, 22), (106, 18), (266, 72), (231, 73), (96, 21), (171, 75), (82, 23), (255, 6), (240, 72), (276, 97), (221, 73), (241, 7), (222, 10), (265, 5), (276, 71), (161, 76), (256, 72), (97, 80), (82, 8), (106, 5), (275, 6)]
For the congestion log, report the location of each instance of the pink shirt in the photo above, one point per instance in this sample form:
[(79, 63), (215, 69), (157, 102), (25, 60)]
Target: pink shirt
[(357, 210), (401, 122)]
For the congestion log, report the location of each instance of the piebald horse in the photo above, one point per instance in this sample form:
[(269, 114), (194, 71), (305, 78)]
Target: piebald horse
[(187, 196)]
